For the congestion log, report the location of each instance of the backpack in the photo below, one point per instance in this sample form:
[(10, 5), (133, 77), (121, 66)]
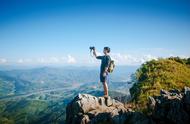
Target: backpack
[(111, 66)]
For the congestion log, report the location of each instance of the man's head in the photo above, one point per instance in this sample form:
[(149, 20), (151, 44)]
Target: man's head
[(106, 50)]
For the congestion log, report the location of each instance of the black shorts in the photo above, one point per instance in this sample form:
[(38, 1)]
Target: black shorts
[(103, 78)]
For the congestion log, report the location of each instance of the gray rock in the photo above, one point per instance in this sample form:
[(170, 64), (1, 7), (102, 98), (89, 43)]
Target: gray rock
[(186, 99), (164, 92), (138, 118), (151, 103), (170, 107), (88, 109), (186, 90)]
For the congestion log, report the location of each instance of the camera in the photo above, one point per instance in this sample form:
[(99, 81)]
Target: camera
[(92, 48)]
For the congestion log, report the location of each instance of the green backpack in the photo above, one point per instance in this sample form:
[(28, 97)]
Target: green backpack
[(111, 66)]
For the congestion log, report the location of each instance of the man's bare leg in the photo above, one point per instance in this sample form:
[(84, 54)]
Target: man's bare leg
[(105, 89)]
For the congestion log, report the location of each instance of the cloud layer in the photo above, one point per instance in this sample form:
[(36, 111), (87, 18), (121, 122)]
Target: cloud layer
[(127, 59), (3, 60), (119, 58)]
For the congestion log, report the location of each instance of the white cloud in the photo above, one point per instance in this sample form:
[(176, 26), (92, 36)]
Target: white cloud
[(49, 60), (54, 60), (181, 56), (41, 60), (148, 58), (3, 60), (71, 59), (119, 58), (20, 61), (127, 59), (24, 61)]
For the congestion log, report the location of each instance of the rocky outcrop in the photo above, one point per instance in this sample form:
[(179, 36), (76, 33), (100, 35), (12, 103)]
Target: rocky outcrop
[(171, 107), (88, 109)]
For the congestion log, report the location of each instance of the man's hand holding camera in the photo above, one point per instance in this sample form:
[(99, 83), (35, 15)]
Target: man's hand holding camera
[(92, 48)]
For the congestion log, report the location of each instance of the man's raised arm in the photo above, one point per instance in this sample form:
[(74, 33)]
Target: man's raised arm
[(94, 53)]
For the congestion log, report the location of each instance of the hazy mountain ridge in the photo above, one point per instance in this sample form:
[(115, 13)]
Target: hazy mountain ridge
[(10, 85), (29, 80)]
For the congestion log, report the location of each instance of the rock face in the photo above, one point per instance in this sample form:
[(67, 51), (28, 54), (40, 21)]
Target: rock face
[(90, 109), (87, 109), (171, 107)]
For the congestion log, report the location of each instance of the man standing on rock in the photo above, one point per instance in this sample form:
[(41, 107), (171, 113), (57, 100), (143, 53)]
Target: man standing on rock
[(105, 62)]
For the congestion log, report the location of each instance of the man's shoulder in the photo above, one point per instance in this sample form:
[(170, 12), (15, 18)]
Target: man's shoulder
[(108, 56)]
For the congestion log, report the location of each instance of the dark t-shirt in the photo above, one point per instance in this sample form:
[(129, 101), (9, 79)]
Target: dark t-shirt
[(105, 61)]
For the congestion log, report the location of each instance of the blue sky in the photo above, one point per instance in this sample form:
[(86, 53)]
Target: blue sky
[(61, 31)]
